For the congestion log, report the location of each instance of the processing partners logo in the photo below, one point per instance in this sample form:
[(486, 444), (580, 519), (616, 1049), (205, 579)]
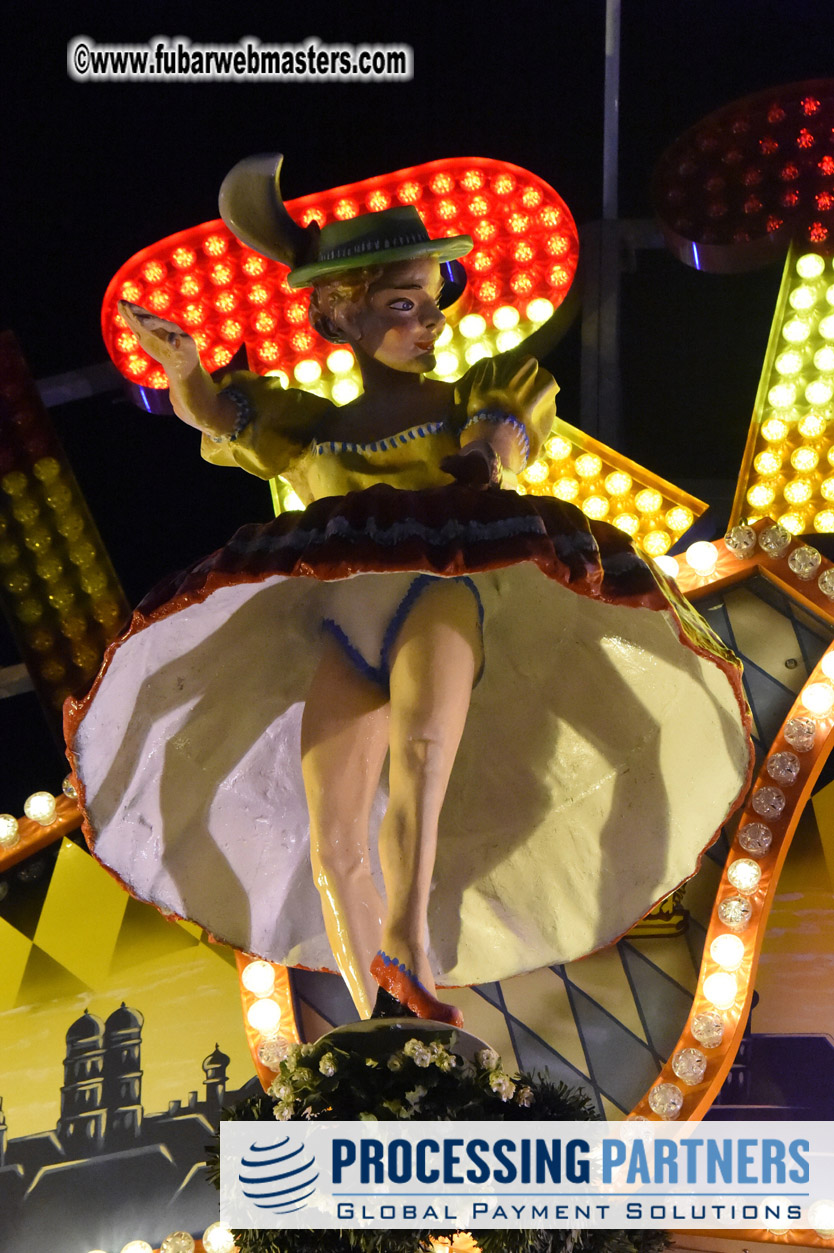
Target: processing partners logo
[(279, 1177), (462, 1176)]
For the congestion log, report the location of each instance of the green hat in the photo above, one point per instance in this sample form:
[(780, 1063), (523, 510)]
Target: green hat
[(252, 208)]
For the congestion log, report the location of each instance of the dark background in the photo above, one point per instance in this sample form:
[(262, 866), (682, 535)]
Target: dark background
[(91, 173)]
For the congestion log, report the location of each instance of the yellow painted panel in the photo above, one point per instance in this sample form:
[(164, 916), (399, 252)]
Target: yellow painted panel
[(81, 916)]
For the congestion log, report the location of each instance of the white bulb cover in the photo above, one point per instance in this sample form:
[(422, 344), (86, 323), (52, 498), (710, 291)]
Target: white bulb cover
[(818, 698), (810, 265), (472, 326), (668, 565), (702, 557), (258, 978), (9, 834), (218, 1239), (821, 1217), (136, 1246), (727, 951), (744, 875), (264, 1016), (721, 989), (40, 807), (505, 318)]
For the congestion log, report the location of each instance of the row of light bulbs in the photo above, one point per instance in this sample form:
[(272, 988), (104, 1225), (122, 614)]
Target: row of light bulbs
[(216, 1238), (722, 988)]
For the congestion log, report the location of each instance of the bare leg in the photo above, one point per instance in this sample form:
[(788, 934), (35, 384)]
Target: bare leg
[(344, 739), (434, 661)]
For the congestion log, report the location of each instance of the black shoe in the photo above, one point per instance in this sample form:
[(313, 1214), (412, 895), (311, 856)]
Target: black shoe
[(387, 1006)]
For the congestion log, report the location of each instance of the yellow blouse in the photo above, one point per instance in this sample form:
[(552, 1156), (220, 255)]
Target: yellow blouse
[(282, 438)]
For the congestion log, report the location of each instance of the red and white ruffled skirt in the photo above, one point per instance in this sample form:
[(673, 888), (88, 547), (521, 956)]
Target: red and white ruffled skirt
[(606, 744)]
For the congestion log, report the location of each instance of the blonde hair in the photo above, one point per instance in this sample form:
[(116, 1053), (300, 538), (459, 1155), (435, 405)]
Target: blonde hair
[(329, 294)]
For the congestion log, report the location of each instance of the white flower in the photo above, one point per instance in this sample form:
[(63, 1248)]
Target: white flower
[(488, 1058), (282, 1112), (525, 1097), (303, 1077), (281, 1090), (502, 1085), (327, 1065)]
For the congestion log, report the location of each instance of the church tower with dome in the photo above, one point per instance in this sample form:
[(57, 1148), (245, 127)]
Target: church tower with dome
[(122, 1074), (82, 1122)]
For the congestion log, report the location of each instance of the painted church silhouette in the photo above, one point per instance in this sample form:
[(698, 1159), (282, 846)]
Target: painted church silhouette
[(110, 1171)]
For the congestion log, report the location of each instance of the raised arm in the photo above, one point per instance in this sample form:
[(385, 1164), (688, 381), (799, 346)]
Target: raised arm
[(194, 396)]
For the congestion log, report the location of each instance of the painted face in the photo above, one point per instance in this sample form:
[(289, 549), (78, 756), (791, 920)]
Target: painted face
[(398, 320)]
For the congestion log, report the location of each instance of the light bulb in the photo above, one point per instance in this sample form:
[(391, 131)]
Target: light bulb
[(307, 371), (340, 361), (668, 565), (539, 310), (344, 391), (9, 834), (702, 556), (40, 807), (811, 265), (218, 1239), (505, 318), (258, 978), (721, 989), (472, 326), (727, 951), (818, 698), (264, 1016)]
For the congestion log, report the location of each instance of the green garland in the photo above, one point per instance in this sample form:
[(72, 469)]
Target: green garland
[(362, 1077)]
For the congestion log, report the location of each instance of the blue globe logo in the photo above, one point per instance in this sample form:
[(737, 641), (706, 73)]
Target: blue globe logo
[(283, 1176)]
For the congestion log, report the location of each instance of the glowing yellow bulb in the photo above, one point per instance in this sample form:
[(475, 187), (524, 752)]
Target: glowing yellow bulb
[(767, 463), (264, 1016), (340, 361), (819, 392), (618, 483), (798, 491), (588, 466), (627, 522), (566, 489), (804, 459), (280, 376), (721, 989), (812, 426), (447, 363), (824, 359), (475, 353), (796, 331), (557, 447), (648, 501), (536, 473), (9, 835), (827, 488), (774, 430), (782, 396), (679, 519), (595, 507), (505, 318), (760, 496), (788, 363), (506, 340), (445, 337), (824, 522), (727, 951), (258, 978), (811, 265), (818, 698), (793, 522), (802, 298), (344, 391), (668, 565), (539, 310), (702, 556), (472, 326), (826, 327), (656, 543), (307, 371), (40, 807)]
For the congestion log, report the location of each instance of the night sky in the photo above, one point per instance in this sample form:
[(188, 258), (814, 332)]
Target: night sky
[(91, 173)]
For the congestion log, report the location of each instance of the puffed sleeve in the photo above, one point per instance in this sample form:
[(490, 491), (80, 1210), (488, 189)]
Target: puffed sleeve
[(511, 385), (275, 425)]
